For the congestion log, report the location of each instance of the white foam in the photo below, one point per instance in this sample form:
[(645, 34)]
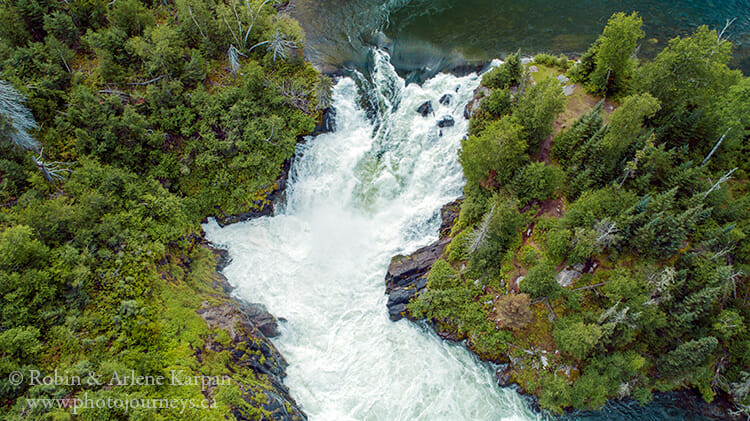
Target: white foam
[(357, 197)]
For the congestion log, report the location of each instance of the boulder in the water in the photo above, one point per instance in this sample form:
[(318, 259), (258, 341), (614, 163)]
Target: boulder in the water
[(425, 109), (327, 122), (446, 121), (504, 376), (446, 99)]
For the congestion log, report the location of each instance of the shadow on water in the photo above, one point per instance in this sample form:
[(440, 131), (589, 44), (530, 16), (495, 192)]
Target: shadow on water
[(428, 36), (678, 406)]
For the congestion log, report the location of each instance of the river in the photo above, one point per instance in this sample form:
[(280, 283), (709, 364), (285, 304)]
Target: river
[(356, 197), (426, 36)]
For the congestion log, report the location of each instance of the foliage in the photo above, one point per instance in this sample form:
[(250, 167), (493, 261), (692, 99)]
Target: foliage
[(506, 75), (101, 270), (537, 110), (688, 77), (490, 158), (540, 282), (577, 338), (653, 212), (601, 159), (611, 55), (536, 181), (498, 233), (562, 63)]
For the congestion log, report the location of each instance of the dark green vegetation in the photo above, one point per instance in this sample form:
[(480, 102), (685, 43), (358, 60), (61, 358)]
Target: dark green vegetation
[(144, 118), (643, 205)]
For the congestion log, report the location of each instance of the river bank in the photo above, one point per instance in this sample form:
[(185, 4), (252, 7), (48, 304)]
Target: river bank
[(406, 279), (484, 301), (249, 326)]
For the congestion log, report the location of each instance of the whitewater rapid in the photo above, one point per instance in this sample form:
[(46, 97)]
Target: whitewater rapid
[(356, 197)]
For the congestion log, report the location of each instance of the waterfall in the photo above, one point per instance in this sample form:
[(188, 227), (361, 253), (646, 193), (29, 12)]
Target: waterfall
[(356, 197)]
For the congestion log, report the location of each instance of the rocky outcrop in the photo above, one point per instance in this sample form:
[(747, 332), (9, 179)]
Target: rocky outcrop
[(504, 375), (327, 123), (566, 276), (262, 207), (473, 106), (249, 327), (407, 275), (446, 99)]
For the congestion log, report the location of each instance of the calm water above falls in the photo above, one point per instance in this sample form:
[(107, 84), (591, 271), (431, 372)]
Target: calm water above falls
[(436, 34), (356, 197)]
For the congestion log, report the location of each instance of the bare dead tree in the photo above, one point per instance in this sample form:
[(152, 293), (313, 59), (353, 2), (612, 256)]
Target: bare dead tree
[(660, 283), (278, 45), (726, 177), (605, 231), (479, 237), (19, 116), (715, 147), (233, 55), (190, 11), (52, 171)]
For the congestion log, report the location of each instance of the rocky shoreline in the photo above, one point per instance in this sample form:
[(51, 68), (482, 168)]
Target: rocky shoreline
[(249, 325), (406, 279), (407, 275)]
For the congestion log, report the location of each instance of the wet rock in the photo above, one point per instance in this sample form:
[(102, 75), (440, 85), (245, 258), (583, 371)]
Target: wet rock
[(473, 105), (568, 90), (448, 215), (262, 319), (425, 109), (406, 270), (446, 121), (503, 376), (223, 259), (327, 122), (397, 312), (446, 99), (407, 275), (400, 296), (533, 69), (250, 348)]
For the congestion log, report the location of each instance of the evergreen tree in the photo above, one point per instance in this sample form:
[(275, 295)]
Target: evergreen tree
[(614, 65), (583, 129), (537, 110)]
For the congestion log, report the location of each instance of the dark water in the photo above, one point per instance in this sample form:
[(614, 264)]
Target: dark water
[(424, 35)]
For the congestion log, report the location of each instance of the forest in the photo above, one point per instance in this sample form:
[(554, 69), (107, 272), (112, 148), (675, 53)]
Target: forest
[(603, 246), (123, 124)]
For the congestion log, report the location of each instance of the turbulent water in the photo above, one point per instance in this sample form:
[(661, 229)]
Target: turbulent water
[(426, 35), (358, 196)]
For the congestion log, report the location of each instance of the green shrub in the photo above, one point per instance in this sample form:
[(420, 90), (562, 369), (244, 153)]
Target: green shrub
[(536, 181), (540, 282)]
